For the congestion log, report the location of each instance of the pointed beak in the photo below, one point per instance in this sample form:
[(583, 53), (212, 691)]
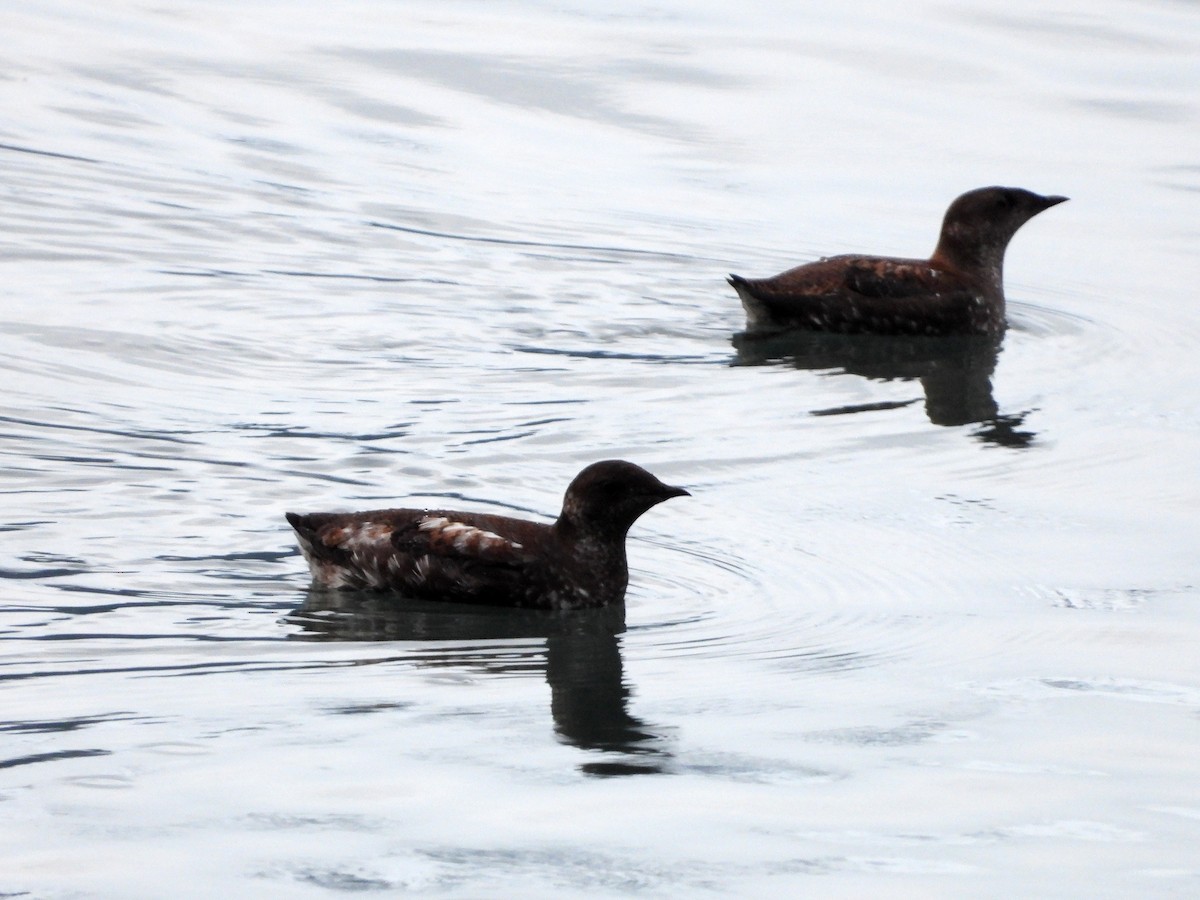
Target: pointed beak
[(670, 491), (1053, 200)]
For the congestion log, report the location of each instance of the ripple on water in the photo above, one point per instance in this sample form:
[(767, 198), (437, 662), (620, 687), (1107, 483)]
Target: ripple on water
[(1034, 319), (1112, 687), (1119, 338), (717, 605)]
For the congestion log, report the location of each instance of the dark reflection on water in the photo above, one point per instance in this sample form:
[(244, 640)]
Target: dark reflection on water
[(955, 373), (50, 757), (578, 651), (519, 242)]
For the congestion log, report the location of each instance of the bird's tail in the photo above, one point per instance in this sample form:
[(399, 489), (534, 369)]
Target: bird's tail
[(306, 534), (757, 312)]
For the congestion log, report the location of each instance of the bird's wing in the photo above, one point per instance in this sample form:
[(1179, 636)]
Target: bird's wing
[(447, 536), (855, 293), (431, 555), (865, 276), (454, 558), (895, 278)]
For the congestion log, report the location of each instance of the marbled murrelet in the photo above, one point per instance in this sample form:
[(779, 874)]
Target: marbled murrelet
[(578, 561), (958, 290)]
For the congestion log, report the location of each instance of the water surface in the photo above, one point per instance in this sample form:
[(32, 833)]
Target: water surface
[(929, 620)]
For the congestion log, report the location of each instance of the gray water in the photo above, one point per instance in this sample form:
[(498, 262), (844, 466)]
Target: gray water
[(927, 626)]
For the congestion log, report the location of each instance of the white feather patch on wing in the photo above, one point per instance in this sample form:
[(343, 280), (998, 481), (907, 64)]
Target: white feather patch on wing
[(423, 568), (360, 535), (466, 539)]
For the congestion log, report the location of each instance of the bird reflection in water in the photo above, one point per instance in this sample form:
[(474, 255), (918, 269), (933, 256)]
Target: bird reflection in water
[(579, 652), (955, 373)]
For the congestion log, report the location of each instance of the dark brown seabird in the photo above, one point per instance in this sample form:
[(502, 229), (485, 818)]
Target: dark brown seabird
[(958, 290), (579, 561)]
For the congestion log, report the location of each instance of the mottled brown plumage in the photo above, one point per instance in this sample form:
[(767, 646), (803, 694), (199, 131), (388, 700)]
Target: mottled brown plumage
[(958, 290), (578, 561)]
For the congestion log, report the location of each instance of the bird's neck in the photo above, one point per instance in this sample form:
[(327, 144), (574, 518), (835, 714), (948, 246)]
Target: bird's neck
[(595, 555), (965, 252), (592, 544)]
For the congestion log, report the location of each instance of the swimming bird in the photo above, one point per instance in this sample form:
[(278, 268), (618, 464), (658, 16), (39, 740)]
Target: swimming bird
[(958, 290), (578, 561)]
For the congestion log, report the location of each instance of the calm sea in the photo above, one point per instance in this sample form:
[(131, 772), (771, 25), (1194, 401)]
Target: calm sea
[(928, 625)]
